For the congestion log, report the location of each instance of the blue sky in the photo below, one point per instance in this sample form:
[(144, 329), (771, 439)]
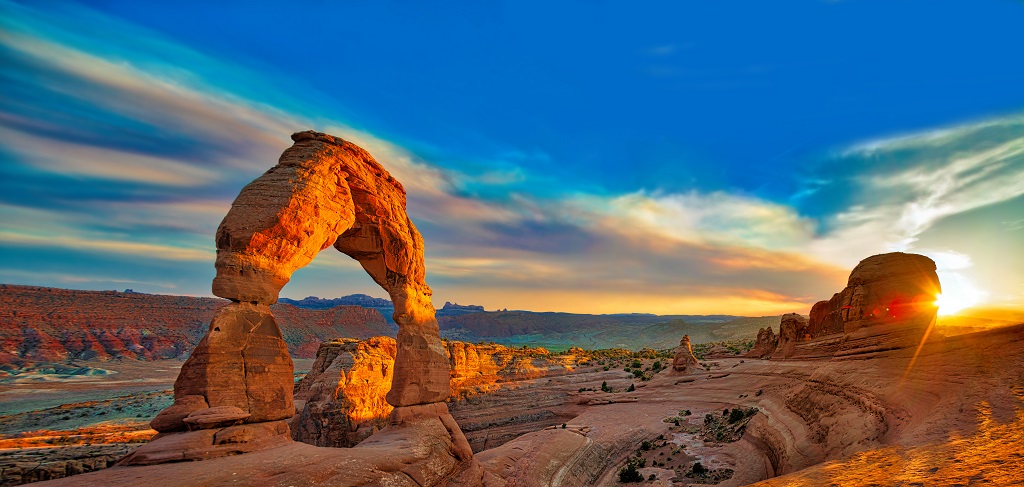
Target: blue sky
[(733, 157)]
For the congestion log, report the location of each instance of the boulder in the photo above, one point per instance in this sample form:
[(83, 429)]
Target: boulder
[(171, 419)]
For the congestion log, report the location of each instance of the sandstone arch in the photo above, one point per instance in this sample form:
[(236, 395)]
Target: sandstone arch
[(323, 192)]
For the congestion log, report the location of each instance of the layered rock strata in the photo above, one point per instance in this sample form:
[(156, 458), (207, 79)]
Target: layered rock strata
[(323, 192), (887, 304)]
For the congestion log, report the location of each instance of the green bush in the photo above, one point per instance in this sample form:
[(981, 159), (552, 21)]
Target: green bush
[(699, 469), (631, 388)]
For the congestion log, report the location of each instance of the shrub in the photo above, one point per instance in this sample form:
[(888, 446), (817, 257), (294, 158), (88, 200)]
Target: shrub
[(636, 364), (631, 388), (699, 469), (736, 415), (629, 473), (652, 477), (604, 387), (645, 446)]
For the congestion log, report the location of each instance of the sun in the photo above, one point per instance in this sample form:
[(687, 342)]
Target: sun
[(949, 304)]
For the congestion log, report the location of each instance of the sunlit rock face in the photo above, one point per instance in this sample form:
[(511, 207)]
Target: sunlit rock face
[(684, 360), (888, 303), (343, 394), (324, 191)]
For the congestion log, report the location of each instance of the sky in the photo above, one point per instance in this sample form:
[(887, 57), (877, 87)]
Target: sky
[(593, 156)]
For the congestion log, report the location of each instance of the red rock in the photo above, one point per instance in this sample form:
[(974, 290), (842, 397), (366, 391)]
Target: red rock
[(344, 391), (684, 360), (765, 344), (242, 362), (323, 191), (216, 417), (792, 330), (56, 325), (171, 419)]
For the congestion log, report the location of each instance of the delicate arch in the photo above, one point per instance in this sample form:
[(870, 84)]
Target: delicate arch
[(326, 191)]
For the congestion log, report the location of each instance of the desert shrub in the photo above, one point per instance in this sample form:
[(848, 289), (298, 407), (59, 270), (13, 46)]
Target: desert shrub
[(604, 387), (736, 415), (652, 477), (656, 366), (631, 388), (698, 469), (636, 364), (638, 373), (629, 473), (645, 446)]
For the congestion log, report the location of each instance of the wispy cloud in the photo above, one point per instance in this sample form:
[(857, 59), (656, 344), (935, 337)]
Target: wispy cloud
[(160, 144)]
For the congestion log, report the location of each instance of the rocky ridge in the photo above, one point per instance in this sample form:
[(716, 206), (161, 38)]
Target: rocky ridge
[(50, 325)]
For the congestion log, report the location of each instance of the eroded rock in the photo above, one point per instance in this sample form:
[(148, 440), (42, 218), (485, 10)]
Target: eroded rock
[(684, 360), (324, 191), (765, 344), (792, 330)]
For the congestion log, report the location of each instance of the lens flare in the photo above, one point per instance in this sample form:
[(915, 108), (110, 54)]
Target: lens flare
[(951, 303)]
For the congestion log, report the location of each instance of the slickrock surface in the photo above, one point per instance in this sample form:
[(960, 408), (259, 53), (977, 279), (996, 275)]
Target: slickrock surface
[(344, 391), (684, 360), (40, 325)]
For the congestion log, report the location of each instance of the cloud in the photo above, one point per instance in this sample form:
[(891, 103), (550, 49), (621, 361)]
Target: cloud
[(137, 152), (904, 185)]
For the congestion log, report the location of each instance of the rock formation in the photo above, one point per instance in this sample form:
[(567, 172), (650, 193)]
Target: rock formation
[(888, 303), (792, 329), (894, 288), (323, 191), (765, 344), (342, 396), (684, 360)]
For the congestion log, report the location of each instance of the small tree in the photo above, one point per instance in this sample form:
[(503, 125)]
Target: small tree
[(629, 473), (699, 469), (604, 387), (631, 388)]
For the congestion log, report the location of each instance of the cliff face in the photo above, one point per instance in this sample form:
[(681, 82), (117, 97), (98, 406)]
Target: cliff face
[(343, 393), (39, 324), (888, 303)]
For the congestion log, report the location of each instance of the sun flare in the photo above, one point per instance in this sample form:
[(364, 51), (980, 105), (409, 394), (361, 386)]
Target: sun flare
[(951, 303)]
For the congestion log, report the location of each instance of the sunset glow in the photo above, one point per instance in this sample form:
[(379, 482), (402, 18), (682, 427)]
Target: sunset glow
[(951, 303)]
